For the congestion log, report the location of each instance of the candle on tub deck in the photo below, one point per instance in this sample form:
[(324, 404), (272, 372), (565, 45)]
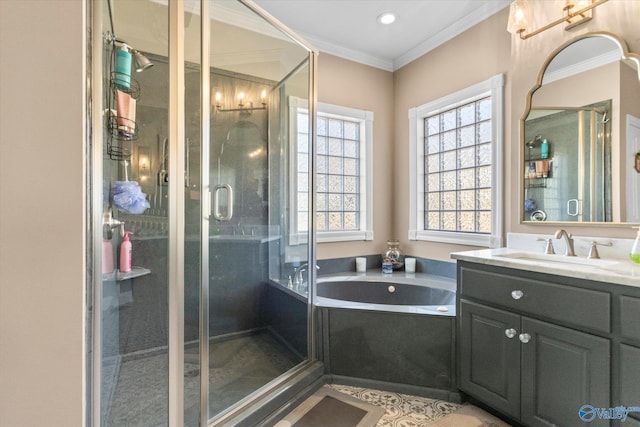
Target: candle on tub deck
[(410, 265)]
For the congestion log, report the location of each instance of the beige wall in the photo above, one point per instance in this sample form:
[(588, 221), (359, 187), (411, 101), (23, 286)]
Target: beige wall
[(629, 96), (42, 224), (479, 53), (354, 85), (472, 57)]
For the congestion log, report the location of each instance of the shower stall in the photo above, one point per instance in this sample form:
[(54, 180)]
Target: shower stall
[(192, 153), (574, 182)]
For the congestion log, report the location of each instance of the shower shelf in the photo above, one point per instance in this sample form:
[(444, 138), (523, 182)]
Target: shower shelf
[(118, 133), (135, 272), (133, 89), (121, 134), (119, 276), (117, 152), (535, 182)]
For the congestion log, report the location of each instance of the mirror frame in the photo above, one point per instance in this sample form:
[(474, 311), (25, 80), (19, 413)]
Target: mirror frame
[(625, 55)]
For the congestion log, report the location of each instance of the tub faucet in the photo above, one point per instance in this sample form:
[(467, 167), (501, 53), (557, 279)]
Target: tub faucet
[(568, 240), (298, 279)]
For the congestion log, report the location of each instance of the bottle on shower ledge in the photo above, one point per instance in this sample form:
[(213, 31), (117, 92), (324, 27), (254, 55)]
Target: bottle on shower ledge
[(107, 256), (125, 253)]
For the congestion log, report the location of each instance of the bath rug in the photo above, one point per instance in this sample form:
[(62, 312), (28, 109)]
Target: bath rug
[(469, 416), (328, 407), (401, 410)]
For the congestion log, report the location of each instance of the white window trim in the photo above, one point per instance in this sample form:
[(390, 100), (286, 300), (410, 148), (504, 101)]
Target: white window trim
[(493, 87), (366, 172), (295, 104)]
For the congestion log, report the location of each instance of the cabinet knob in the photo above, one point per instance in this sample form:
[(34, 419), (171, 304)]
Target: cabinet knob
[(524, 338), (510, 333), (517, 294)]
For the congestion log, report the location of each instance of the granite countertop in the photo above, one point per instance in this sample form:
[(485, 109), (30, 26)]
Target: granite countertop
[(610, 270)]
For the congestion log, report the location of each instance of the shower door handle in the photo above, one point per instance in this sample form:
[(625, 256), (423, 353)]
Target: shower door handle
[(217, 214), (573, 207), (206, 195)]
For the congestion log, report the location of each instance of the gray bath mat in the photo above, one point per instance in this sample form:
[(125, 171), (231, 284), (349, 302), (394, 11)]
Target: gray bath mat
[(328, 407)]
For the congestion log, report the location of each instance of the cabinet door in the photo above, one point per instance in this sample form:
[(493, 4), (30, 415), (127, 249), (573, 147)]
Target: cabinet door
[(629, 366), (489, 360), (562, 370)]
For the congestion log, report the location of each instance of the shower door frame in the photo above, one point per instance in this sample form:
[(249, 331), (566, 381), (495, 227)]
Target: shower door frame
[(176, 214)]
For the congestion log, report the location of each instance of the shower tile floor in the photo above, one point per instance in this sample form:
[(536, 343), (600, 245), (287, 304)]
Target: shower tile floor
[(237, 367)]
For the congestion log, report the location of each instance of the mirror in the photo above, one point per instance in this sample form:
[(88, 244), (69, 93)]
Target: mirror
[(580, 135)]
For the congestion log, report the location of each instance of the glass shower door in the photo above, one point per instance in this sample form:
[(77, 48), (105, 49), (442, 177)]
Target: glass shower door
[(131, 301), (579, 163), (248, 150), (203, 325)]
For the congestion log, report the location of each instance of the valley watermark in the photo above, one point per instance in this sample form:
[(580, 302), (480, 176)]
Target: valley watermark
[(588, 413)]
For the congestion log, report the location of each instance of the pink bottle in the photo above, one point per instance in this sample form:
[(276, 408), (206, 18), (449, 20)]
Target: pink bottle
[(125, 253), (107, 257)]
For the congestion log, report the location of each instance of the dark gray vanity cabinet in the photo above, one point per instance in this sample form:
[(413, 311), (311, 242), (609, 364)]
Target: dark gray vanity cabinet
[(626, 352), (488, 361), (537, 349), (561, 370)]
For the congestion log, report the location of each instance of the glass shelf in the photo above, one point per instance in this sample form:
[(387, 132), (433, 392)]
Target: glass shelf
[(119, 276)]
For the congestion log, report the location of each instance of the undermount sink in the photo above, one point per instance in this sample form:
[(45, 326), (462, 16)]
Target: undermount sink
[(558, 259)]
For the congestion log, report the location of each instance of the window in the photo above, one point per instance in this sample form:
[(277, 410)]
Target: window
[(456, 171), (343, 171)]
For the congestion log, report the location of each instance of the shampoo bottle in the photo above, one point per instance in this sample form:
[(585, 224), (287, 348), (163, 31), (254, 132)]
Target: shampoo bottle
[(544, 149), (123, 67), (635, 249), (125, 253), (107, 256)]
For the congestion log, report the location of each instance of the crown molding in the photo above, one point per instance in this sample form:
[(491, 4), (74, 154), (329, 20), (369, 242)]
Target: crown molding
[(350, 54), (479, 15), (582, 66), (468, 21)]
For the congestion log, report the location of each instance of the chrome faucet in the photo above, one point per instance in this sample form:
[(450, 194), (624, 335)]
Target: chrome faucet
[(568, 240), (298, 280)]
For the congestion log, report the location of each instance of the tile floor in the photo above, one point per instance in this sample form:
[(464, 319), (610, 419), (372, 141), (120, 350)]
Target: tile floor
[(237, 367), (240, 366), (401, 410)]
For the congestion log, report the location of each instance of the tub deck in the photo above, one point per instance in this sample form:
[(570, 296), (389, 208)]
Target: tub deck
[(415, 279)]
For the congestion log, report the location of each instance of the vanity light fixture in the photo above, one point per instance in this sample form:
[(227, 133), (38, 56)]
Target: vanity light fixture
[(387, 18), (242, 104), (575, 12)]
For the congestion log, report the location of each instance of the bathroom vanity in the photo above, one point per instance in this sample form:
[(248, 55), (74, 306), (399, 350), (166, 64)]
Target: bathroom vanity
[(538, 341)]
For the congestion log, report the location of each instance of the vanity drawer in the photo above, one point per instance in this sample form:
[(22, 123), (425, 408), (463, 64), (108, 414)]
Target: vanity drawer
[(630, 317), (571, 305)]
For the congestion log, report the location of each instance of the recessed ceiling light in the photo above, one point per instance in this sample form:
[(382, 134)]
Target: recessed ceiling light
[(387, 18)]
